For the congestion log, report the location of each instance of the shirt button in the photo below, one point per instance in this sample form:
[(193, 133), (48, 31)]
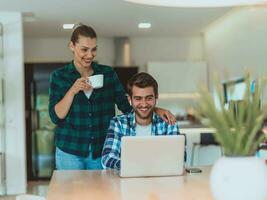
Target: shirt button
[(90, 126), (90, 114)]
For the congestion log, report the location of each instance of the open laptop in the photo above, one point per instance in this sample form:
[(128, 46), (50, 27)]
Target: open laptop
[(152, 155)]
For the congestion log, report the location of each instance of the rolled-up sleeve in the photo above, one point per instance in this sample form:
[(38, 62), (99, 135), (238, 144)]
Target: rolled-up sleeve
[(111, 150), (55, 95)]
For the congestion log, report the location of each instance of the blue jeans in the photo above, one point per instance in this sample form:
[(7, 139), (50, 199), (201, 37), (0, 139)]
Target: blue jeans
[(66, 161)]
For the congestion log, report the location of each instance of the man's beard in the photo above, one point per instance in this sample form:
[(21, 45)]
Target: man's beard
[(147, 116)]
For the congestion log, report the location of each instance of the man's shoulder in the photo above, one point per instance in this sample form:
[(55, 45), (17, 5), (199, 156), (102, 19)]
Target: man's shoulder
[(160, 121), (122, 119)]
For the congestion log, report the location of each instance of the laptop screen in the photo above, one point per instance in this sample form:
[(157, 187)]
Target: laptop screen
[(152, 155)]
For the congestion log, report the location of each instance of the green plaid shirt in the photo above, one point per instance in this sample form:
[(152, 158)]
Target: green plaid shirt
[(88, 119)]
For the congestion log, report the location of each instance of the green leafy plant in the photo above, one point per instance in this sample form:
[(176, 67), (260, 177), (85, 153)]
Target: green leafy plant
[(237, 126)]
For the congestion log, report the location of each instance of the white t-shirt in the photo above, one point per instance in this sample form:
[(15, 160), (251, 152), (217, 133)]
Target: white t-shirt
[(143, 130), (88, 93)]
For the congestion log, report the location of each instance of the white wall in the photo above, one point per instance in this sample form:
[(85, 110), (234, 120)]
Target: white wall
[(14, 101), (144, 49), (178, 77), (178, 83), (1, 91), (2, 119), (56, 50), (238, 42)]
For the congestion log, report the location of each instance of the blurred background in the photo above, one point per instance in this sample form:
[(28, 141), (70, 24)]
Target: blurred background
[(181, 47)]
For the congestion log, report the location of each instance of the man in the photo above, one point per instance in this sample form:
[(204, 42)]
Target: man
[(142, 121)]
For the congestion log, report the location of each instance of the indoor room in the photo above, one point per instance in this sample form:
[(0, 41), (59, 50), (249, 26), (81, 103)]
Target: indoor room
[(183, 46)]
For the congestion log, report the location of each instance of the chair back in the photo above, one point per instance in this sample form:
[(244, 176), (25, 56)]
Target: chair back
[(185, 147), (207, 139)]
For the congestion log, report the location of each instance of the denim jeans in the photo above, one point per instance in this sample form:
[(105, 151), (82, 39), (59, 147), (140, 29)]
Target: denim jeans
[(66, 161)]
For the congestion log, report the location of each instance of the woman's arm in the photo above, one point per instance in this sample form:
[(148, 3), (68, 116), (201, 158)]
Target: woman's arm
[(166, 115), (63, 106)]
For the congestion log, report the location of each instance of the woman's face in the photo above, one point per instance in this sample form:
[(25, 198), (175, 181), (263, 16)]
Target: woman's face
[(84, 51)]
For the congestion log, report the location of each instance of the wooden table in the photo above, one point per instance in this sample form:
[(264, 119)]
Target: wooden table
[(107, 185)]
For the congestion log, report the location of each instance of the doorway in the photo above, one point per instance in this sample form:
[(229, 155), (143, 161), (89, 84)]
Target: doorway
[(39, 128)]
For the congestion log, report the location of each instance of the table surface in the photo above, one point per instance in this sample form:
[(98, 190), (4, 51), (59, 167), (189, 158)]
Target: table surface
[(98, 185)]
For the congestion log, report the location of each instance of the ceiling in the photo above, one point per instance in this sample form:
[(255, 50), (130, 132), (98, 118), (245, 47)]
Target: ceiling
[(110, 18)]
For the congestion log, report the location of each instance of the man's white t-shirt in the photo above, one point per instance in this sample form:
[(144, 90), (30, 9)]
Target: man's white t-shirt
[(143, 130)]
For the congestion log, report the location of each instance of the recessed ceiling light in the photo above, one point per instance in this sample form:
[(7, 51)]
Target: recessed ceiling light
[(68, 26), (198, 3), (28, 17), (144, 25)]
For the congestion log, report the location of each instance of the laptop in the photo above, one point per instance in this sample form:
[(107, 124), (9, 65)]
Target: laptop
[(143, 156)]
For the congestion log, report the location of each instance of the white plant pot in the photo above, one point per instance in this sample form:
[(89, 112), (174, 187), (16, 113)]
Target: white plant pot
[(239, 178)]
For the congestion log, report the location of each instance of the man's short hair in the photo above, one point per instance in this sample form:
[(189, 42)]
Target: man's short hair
[(142, 80)]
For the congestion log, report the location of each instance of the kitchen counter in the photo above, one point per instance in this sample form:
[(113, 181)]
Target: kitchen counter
[(203, 156)]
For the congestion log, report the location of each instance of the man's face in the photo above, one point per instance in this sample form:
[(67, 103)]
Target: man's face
[(143, 101)]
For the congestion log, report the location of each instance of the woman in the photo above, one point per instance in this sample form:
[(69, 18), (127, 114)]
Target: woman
[(81, 113)]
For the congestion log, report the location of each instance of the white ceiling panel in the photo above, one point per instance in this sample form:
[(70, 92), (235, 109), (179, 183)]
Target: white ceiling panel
[(44, 18)]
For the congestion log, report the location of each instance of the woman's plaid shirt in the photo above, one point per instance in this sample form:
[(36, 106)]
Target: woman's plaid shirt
[(88, 119)]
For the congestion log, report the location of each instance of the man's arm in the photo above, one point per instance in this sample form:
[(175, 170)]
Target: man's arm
[(112, 147)]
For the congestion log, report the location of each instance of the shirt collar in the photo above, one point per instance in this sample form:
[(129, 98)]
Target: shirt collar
[(71, 67), (133, 120), (96, 68)]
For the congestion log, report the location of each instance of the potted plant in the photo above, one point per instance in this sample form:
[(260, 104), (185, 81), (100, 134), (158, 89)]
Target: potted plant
[(238, 174)]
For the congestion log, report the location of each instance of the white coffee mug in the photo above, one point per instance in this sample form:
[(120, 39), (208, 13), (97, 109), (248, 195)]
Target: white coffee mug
[(96, 81)]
